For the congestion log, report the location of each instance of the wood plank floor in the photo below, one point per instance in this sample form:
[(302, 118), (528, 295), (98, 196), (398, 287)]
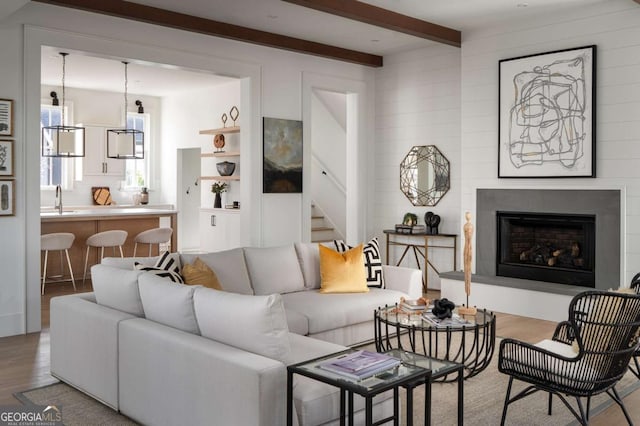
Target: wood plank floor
[(24, 360)]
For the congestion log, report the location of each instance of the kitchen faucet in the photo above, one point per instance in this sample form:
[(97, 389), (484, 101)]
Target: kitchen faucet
[(58, 202)]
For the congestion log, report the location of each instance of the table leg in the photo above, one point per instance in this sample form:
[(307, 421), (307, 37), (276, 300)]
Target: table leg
[(368, 411), (342, 402), (426, 264), (289, 398), (387, 258), (351, 408), (409, 405), (460, 397), (455, 251), (396, 407), (427, 400)]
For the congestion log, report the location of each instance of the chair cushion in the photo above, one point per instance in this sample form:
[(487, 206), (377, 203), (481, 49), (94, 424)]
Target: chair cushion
[(343, 309), (256, 324), (274, 269), (342, 272), (372, 261), (168, 303), (199, 273), (229, 266), (556, 347), (117, 288)]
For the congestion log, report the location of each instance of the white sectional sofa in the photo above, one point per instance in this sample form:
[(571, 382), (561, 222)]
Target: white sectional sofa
[(163, 353)]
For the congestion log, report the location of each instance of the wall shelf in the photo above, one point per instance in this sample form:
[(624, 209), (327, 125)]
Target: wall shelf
[(220, 177), (232, 129), (221, 154)]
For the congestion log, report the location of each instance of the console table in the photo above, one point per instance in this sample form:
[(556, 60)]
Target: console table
[(420, 245)]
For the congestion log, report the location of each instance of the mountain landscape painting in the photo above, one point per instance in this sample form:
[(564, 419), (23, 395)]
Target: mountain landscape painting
[(282, 168)]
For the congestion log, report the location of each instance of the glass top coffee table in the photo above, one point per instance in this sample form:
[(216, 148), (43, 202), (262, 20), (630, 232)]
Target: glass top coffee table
[(413, 371), (471, 344)]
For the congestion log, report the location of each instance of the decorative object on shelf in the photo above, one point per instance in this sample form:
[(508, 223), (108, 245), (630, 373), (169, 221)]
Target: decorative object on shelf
[(54, 99), (218, 188), (144, 196), (424, 175), (140, 107), (410, 219), (443, 308), (547, 114), (7, 198), (6, 158), (125, 143), (234, 110), (57, 141), (432, 221), (418, 229), (224, 120), (218, 142), (467, 255), (282, 168), (403, 229), (6, 116), (226, 168)]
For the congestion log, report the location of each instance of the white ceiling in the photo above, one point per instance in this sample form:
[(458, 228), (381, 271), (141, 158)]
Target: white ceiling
[(280, 17)]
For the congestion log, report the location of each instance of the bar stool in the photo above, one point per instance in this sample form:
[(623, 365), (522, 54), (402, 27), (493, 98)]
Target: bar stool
[(104, 239), (60, 241), (153, 236)]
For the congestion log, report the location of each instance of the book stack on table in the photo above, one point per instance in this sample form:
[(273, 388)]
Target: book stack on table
[(360, 365), (414, 306)]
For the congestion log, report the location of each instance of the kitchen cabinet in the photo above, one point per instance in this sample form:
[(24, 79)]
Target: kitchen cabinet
[(219, 229), (95, 161)]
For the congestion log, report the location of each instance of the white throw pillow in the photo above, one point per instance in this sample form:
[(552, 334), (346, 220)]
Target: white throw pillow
[(168, 303), (256, 324), (117, 288), (274, 269)]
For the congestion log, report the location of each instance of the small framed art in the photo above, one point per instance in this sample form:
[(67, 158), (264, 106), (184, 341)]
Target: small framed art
[(6, 157), (6, 117), (547, 115), (7, 198)]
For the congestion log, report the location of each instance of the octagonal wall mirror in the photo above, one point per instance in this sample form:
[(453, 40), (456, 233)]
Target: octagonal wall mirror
[(424, 175)]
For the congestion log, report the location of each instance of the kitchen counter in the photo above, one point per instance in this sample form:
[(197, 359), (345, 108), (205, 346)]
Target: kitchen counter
[(84, 221)]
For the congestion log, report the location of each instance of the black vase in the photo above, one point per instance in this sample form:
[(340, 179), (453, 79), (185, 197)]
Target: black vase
[(217, 204)]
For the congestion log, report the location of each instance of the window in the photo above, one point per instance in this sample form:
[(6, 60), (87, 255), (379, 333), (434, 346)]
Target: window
[(136, 171), (54, 171)]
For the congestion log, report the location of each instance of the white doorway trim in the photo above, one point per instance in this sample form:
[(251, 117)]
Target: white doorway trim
[(357, 154)]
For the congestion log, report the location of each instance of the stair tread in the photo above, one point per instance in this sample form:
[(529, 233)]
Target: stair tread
[(321, 241), (317, 217), (322, 228)]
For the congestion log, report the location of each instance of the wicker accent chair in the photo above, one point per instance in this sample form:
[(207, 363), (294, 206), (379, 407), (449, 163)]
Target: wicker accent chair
[(635, 365), (588, 354)]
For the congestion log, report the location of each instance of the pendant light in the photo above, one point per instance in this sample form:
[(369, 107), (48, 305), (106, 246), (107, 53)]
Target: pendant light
[(121, 143), (62, 140)]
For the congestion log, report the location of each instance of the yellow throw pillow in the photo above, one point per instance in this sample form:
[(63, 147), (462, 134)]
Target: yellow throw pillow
[(342, 272), (199, 273)]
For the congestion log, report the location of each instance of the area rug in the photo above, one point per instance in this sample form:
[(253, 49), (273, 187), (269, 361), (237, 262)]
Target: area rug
[(77, 408), (483, 401)]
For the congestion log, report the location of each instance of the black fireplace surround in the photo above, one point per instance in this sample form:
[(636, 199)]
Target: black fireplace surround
[(551, 247)]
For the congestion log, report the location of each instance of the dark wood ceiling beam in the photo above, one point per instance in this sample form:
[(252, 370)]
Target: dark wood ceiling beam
[(181, 21), (384, 18)]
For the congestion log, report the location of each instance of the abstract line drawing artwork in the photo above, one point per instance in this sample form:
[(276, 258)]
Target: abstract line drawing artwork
[(547, 115), (6, 158)]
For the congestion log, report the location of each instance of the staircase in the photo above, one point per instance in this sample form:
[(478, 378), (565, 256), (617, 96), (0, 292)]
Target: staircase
[(322, 229)]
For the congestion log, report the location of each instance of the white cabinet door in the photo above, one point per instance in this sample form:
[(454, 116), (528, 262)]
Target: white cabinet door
[(220, 233), (95, 161)]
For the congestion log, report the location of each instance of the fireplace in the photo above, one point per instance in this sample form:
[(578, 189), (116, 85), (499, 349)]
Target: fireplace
[(551, 247)]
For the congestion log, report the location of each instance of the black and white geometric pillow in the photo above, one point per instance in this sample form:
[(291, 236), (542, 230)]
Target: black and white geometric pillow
[(372, 261), (166, 267)]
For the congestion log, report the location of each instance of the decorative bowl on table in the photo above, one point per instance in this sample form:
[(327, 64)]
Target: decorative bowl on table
[(226, 168)]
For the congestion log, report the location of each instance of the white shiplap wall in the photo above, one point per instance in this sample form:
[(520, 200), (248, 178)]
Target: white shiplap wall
[(417, 103), (613, 26)]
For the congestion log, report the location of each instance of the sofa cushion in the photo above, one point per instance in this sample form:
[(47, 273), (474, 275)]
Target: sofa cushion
[(229, 266), (168, 303), (372, 261), (309, 260), (256, 324), (199, 273), (297, 322), (343, 309), (342, 272), (274, 269), (117, 288)]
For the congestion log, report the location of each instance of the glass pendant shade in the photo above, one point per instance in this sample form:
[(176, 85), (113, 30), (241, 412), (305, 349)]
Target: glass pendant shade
[(125, 143), (61, 140)]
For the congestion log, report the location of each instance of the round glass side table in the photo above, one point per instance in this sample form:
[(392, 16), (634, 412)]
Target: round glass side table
[(471, 343)]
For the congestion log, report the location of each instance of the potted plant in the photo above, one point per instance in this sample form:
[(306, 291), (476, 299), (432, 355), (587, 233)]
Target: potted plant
[(218, 188)]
